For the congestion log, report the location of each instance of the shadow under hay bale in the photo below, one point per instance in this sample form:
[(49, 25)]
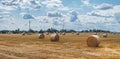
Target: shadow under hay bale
[(93, 41), (105, 35), (41, 36), (54, 37)]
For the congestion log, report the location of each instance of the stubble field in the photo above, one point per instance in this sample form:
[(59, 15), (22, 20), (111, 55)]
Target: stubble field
[(70, 46)]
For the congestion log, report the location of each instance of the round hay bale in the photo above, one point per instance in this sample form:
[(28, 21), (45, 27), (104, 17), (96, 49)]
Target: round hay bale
[(60, 33), (47, 33), (95, 33), (54, 37), (77, 33), (72, 32), (23, 34), (63, 33), (41, 36), (93, 41), (105, 35)]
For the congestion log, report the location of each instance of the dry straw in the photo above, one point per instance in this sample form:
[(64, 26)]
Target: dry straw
[(93, 41), (105, 35), (54, 37), (41, 36)]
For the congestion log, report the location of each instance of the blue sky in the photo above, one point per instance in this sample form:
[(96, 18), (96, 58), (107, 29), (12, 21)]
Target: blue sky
[(74, 14)]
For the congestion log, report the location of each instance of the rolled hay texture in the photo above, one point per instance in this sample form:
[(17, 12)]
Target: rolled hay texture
[(23, 34), (63, 33), (41, 36), (60, 33), (95, 33), (93, 41), (72, 32), (77, 33), (47, 33), (54, 37), (105, 35)]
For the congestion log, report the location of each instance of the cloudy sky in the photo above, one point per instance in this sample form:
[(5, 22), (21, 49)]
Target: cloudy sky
[(72, 14)]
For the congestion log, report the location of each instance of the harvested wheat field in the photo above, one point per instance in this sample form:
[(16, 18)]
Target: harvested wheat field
[(70, 46)]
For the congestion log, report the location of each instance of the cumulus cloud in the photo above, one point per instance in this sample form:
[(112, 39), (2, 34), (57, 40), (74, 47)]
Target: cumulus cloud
[(27, 16), (43, 19), (8, 8), (95, 22), (53, 3), (22, 4), (31, 4), (98, 14), (86, 2), (1, 17), (117, 17), (57, 12), (56, 22), (104, 11), (103, 6), (54, 14), (73, 16)]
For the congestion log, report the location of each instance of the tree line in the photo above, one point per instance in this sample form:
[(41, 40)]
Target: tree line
[(50, 30)]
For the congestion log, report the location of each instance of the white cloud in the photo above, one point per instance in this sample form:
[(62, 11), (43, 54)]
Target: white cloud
[(53, 3), (86, 2), (56, 4), (94, 22), (5, 12), (8, 8), (54, 14), (105, 10), (31, 4), (103, 6)]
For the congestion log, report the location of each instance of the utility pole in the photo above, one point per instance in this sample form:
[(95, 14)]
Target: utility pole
[(29, 25)]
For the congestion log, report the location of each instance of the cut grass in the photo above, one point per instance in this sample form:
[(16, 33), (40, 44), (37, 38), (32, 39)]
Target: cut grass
[(70, 46)]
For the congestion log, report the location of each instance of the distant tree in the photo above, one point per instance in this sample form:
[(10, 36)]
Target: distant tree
[(71, 31), (63, 30), (41, 31), (52, 30)]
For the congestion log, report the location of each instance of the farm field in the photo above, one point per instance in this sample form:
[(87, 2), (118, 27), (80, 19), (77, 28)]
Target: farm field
[(70, 46)]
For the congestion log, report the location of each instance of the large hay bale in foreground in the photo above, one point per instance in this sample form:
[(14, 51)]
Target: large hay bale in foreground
[(41, 36), (105, 35), (93, 41), (54, 37)]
